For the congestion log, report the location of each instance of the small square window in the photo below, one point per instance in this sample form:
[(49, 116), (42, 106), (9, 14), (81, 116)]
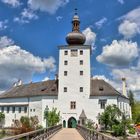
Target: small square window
[(65, 52), (34, 110), (73, 105), (81, 89), (102, 103), (81, 62), (30, 110), (19, 109), (13, 109), (65, 62), (101, 88), (81, 72), (65, 89), (81, 52), (65, 73)]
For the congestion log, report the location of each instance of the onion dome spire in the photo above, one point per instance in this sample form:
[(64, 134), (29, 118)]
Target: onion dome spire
[(75, 37)]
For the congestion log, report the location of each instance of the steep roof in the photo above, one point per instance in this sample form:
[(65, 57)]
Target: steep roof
[(82, 115), (48, 88), (100, 87)]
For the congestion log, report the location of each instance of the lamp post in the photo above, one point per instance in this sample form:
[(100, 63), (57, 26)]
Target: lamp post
[(46, 115)]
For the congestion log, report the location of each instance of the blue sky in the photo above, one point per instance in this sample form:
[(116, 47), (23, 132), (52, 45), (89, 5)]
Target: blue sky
[(31, 30)]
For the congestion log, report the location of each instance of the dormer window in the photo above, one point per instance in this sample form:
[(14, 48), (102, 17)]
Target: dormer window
[(43, 89), (101, 88)]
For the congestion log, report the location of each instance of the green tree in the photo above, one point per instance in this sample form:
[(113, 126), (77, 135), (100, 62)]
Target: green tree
[(110, 116), (25, 121), (132, 103), (89, 124), (2, 117), (120, 128), (136, 112), (52, 117)]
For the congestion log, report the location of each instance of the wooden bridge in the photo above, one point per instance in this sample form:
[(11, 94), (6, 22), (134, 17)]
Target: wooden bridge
[(59, 133)]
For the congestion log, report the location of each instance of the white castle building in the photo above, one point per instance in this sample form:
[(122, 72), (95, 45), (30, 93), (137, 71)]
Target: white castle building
[(74, 93)]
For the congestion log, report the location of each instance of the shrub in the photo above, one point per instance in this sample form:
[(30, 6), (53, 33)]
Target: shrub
[(131, 130), (39, 127), (118, 130)]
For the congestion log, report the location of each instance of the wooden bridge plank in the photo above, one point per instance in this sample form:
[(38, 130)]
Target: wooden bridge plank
[(67, 134)]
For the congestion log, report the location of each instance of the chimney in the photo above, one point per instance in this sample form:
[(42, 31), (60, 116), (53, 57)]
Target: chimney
[(15, 84), (124, 92), (19, 82)]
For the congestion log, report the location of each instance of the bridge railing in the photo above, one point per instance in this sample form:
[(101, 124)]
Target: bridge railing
[(40, 134), (89, 134)]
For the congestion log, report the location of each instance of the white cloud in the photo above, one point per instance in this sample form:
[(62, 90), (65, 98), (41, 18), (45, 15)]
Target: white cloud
[(26, 16), (50, 6), (90, 36), (13, 3), (46, 79), (100, 23), (3, 24), (132, 78), (121, 1), (58, 18), (16, 63), (101, 77), (5, 41), (129, 29), (130, 25), (119, 53)]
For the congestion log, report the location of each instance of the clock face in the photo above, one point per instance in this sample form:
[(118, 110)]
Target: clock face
[(74, 53)]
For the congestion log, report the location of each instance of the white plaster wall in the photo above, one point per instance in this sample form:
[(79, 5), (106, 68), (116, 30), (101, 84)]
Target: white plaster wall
[(124, 106), (35, 107), (73, 81), (16, 115)]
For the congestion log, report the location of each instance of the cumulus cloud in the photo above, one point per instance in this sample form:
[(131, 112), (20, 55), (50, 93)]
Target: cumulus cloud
[(50, 6), (13, 3), (100, 23), (26, 16), (129, 29), (130, 25), (119, 53), (132, 78), (3, 24), (90, 36), (16, 63), (5, 41)]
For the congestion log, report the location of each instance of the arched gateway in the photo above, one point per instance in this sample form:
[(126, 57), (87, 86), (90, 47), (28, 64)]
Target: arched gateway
[(72, 122)]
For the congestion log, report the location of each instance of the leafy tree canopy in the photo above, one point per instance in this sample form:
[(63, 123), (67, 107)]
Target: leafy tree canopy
[(52, 117)]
